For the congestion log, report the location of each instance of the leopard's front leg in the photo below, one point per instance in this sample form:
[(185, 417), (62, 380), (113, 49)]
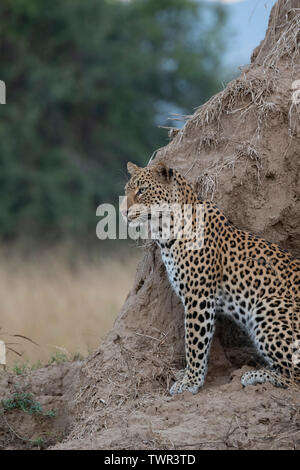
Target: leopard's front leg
[(199, 330)]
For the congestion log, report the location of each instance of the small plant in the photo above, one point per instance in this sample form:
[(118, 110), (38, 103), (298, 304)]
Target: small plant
[(25, 402), (20, 369), (59, 357), (24, 368), (39, 442), (77, 357), (36, 365)]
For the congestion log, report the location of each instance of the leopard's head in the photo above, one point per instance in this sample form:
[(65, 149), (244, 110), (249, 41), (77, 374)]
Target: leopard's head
[(147, 187)]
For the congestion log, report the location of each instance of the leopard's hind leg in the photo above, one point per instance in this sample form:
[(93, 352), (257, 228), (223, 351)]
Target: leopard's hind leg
[(261, 376), (276, 334)]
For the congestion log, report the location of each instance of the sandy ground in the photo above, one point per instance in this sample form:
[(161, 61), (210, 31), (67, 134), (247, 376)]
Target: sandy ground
[(223, 415)]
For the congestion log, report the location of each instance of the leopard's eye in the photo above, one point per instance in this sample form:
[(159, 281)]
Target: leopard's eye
[(140, 191)]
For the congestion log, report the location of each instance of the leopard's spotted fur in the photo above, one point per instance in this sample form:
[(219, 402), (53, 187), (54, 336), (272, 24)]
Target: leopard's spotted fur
[(253, 281)]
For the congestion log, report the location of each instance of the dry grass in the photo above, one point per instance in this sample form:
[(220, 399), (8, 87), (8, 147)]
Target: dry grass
[(207, 183), (287, 43), (65, 308)]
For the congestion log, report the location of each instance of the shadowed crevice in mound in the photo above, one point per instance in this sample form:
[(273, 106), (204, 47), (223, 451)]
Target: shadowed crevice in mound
[(240, 149)]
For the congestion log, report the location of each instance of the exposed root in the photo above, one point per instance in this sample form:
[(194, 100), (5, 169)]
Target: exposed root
[(287, 45), (207, 183), (210, 141)]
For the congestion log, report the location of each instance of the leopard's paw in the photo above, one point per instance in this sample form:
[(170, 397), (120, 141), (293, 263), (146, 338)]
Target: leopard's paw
[(183, 385)]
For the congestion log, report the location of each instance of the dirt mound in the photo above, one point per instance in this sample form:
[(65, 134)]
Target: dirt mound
[(241, 149)]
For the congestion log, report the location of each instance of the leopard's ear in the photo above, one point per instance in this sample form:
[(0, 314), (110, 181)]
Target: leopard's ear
[(163, 172), (131, 168)]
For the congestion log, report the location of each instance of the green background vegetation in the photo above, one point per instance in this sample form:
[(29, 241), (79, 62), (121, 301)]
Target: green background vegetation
[(88, 82)]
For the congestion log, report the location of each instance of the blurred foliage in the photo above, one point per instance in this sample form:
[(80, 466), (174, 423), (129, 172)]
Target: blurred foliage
[(87, 83)]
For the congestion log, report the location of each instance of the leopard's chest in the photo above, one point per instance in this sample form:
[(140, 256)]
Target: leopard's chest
[(176, 271)]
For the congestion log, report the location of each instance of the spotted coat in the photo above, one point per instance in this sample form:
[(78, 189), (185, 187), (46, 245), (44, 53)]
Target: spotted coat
[(254, 282)]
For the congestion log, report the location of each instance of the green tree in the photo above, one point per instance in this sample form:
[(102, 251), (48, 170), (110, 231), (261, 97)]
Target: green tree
[(87, 82)]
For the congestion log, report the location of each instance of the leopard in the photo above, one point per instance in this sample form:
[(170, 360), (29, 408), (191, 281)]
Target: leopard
[(249, 279)]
